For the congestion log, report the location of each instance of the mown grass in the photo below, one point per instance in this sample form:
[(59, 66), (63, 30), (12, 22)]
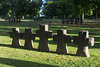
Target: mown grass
[(19, 57)]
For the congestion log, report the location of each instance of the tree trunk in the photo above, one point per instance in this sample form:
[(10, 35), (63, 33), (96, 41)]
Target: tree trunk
[(22, 17), (96, 14), (83, 16)]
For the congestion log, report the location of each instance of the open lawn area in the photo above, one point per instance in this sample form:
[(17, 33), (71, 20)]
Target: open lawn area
[(19, 57)]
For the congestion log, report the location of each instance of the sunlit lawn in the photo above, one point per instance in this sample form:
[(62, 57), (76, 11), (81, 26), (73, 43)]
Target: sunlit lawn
[(19, 57)]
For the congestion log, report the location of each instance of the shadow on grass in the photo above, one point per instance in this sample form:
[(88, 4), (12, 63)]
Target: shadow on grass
[(22, 63), (34, 49)]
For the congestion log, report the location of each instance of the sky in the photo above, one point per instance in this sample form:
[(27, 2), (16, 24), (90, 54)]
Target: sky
[(42, 7), (44, 1)]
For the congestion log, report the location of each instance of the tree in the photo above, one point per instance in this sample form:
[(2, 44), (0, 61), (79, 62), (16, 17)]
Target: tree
[(60, 8), (86, 7), (18, 8), (96, 4), (4, 8)]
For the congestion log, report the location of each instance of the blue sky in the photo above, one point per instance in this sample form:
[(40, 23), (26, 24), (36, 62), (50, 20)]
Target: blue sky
[(44, 1), (41, 7)]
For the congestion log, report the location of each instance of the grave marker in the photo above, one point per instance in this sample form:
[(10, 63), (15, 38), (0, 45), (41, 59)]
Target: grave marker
[(29, 37), (81, 21), (63, 21), (43, 34), (15, 34), (83, 41), (62, 39), (76, 21), (67, 20), (71, 20)]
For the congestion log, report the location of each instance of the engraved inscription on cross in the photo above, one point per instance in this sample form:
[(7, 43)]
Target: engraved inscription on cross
[(15, 34), (83, 41), (62, 39), (43, 34), (29, 37)]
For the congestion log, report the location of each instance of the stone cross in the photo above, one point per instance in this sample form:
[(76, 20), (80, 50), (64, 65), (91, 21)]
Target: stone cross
[(63, 21), (71, 20), (29, 37), (62, 39), (83, 41), (76, 21), (81, 21), (15, 34), (43, 34), (67, 20)]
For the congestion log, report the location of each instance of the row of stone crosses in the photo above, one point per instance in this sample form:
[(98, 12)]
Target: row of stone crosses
[(72, 21), (13, 20), (83, 40)]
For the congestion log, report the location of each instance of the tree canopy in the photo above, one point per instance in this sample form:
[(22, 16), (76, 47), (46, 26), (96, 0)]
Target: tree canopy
[(70, 8), (19, 8), (52, 8)]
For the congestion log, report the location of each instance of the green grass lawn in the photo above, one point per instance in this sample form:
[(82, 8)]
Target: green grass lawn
[(19, 57)]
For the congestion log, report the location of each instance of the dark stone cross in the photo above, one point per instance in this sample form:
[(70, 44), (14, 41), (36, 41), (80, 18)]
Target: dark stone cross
[(67, 20), (76, 21), (83, 41), (29, 37), (81, 21), (71, 20), (43, 34), (62, 39), (63, 21), (15, 34)]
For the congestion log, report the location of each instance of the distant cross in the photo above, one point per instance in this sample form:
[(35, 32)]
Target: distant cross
[(81, 21), (15, 34), (72, 20), (62, 39), (76, 21), (67, 20), (29, 37), (83, 41), (63, 21), (43, 34), (9, 20)]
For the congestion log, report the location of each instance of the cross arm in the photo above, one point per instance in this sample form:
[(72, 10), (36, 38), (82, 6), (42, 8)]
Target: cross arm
[(90, 41), (67, 39), (49, 34), (14, 35), (29, 36), (76, 40)]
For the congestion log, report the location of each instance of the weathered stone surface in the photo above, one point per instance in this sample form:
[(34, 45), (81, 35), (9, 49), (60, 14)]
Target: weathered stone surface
[(29, 37), (15, 34), (62, 39), (43, 34), (83, 41)]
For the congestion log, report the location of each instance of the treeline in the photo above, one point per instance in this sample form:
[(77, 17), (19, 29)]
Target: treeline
[(51, 9), (19, 8), (72, 8)]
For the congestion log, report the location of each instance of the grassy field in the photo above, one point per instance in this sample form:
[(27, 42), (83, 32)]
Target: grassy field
[(19, 57)]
